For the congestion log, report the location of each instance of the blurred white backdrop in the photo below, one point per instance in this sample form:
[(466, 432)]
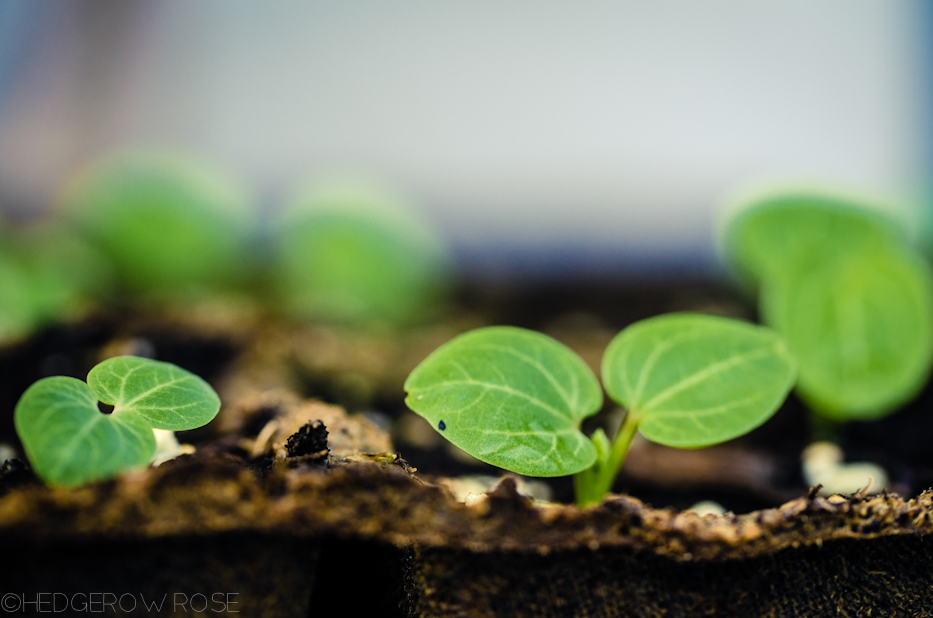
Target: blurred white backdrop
[(580, 136)]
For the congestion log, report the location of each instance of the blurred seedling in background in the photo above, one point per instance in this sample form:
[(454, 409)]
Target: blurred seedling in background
[(47, 274), (350, 255), (841, 283), (69, 441), (515, 398), (170, 226)]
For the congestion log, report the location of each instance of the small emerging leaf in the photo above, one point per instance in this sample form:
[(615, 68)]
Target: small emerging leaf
[(70, 442), (861, 329), (696, 380), (510, 397)]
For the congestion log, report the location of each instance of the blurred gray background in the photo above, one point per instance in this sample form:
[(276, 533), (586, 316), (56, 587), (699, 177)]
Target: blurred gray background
[(536, 136)]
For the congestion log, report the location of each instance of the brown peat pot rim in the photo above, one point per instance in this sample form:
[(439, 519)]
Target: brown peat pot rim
[(384, 501)]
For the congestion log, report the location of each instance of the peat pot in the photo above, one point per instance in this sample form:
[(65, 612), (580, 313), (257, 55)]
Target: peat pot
[(370, 538)]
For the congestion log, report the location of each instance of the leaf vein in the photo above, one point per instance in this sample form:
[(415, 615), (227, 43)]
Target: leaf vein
[(703, 374)]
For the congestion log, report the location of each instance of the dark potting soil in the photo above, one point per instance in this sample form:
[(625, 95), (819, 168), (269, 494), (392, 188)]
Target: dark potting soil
[(15, 473), (224, 574), (880, 577), (309, 441)]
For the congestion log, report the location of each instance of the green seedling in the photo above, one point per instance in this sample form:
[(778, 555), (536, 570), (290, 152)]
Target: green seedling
[(46, 274), (69, 441), (348, 255), (65, 271), (515, 398), (168, 225), (861, 329), (770, 236), (852, 299), (17, 312)]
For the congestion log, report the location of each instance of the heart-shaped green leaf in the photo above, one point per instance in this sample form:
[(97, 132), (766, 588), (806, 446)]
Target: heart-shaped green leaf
[(70, 442), (694, 380), (510, 397), (166, 396), (861, 329)]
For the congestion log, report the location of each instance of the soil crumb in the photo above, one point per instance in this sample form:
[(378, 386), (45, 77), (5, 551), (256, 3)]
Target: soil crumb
[(310, 440)]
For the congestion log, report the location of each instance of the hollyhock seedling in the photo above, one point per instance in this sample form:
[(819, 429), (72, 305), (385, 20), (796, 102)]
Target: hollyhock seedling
[(69, 441), (515, 398)]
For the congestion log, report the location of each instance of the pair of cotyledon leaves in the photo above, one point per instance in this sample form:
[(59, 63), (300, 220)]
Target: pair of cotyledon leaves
[(852, 299), (515, 398), (69, 441)]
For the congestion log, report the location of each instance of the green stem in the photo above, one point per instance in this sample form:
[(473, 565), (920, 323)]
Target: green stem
[(593, 484)]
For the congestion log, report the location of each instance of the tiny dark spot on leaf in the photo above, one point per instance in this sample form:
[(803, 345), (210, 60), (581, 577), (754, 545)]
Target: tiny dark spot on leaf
[(442, 426)]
